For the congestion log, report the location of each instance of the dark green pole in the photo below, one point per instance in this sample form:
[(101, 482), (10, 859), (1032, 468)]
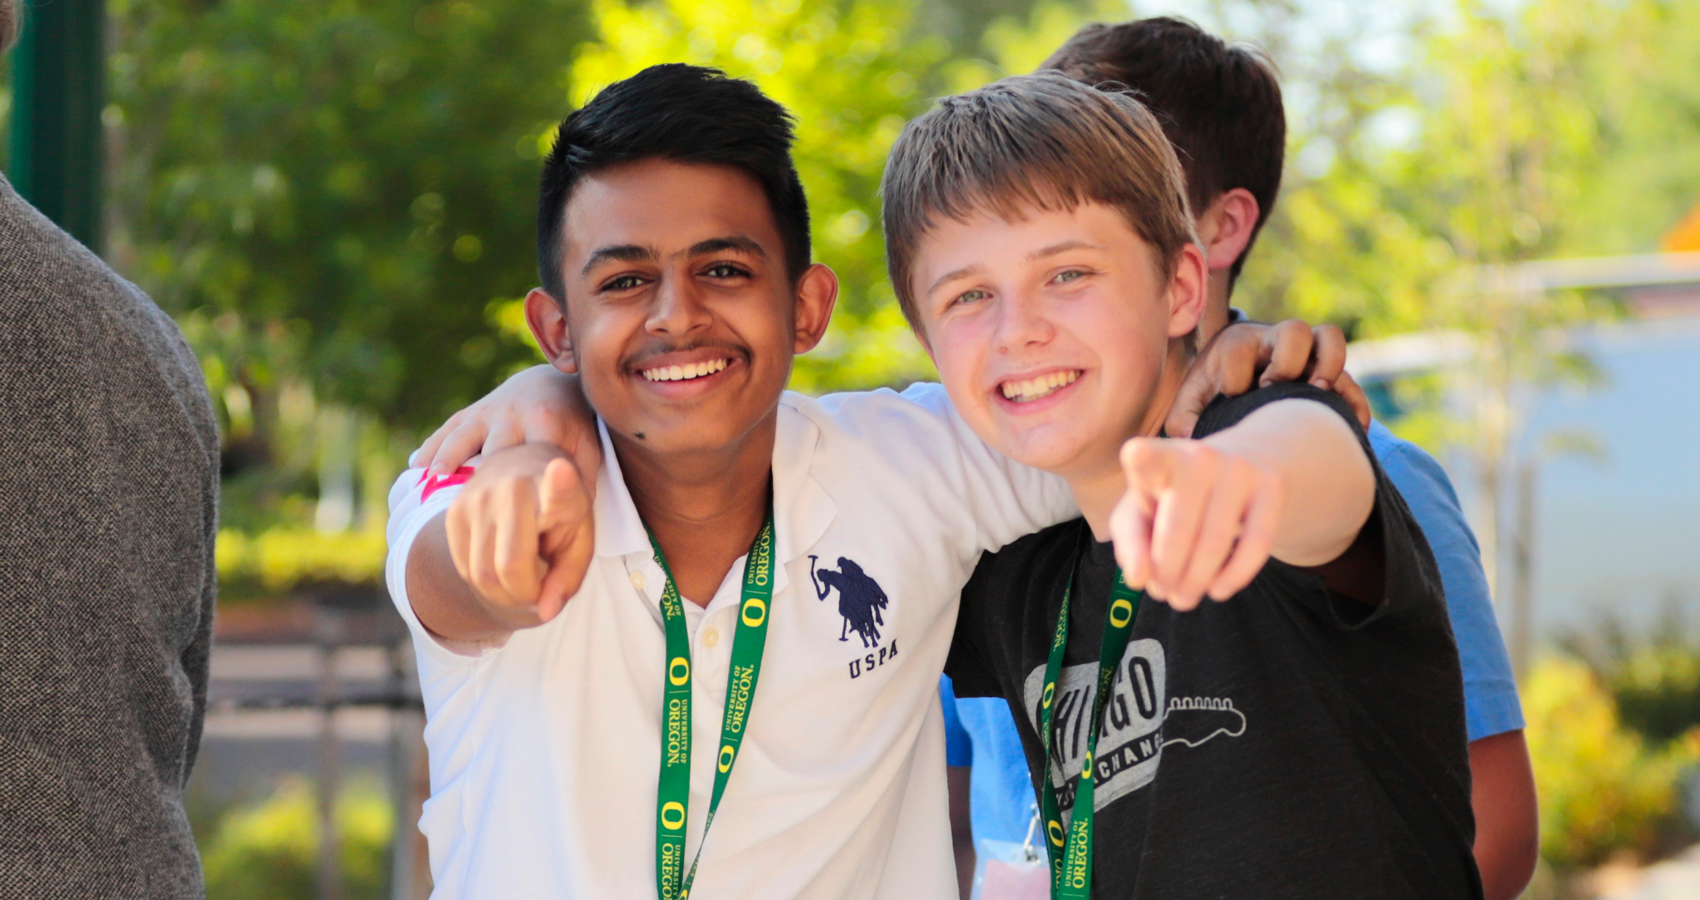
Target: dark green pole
[(58, 81)]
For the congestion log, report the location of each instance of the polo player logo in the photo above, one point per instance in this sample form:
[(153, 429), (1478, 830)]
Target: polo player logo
[(860, 598)]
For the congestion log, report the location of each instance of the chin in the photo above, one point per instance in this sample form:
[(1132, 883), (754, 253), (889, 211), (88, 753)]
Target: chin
[(1036, 449)]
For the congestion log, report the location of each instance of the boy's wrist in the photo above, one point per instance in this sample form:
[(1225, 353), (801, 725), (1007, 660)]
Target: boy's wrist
[(526, 460)]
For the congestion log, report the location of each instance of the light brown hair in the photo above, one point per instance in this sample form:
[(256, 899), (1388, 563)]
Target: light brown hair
[(1029, 141)]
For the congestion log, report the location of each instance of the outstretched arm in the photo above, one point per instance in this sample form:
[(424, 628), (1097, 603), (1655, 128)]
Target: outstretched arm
[(1202, 517), (508, 553)]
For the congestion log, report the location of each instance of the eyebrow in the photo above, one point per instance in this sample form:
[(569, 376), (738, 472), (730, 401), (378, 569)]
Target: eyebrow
[(1042, 253), (1063, 247), (963, 272), (731, 242), (635, 253), (619, 253)]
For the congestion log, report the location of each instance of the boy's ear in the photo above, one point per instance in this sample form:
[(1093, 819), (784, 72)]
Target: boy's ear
[(548, 322), (817, 293), (1189, 291), (1225, 228)]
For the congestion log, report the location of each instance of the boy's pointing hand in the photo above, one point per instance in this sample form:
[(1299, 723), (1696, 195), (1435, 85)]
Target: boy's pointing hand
[(521, 534), (1196, 519)]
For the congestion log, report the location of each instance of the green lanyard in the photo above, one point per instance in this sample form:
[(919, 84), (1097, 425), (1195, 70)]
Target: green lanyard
[(1071, 851), (672, 801)]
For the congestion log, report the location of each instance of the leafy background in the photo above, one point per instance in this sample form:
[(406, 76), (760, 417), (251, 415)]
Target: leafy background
[(334, 199)]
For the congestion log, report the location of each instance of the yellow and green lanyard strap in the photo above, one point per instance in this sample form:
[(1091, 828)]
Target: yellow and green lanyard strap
[(673, 800), (1071, 850)]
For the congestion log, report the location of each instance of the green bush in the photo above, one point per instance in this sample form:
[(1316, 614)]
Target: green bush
[(1604, 790), (280, 560), (269, 851)]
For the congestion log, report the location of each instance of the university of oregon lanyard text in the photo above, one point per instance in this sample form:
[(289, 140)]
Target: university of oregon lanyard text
[(1071, 850), (673, 800)]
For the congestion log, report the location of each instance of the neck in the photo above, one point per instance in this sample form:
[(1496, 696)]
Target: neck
[(1098, 487), (1215, 316), (703, 507)]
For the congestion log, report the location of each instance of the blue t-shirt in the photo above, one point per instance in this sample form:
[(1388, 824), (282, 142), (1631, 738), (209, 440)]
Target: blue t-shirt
[(980, 731)]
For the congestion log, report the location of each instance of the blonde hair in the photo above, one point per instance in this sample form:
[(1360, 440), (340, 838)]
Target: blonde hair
[(8, 24), (1040, 140)]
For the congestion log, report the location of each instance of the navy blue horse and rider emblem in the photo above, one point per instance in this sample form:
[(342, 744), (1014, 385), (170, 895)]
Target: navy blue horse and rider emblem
[(860, 598)]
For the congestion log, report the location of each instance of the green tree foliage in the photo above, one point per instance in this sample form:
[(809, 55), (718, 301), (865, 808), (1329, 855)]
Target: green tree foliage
[(269, 851), (1510, 132), (342, 185)]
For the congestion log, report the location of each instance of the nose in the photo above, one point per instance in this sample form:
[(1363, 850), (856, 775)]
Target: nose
[(679, 308), (1022, 323)]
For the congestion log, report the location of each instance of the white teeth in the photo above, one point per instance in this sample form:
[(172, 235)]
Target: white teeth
[(684, 373), (1038, 387)]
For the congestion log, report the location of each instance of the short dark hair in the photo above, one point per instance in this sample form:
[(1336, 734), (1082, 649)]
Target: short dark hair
[(1220, 104), (1031, 140), (686, 113)]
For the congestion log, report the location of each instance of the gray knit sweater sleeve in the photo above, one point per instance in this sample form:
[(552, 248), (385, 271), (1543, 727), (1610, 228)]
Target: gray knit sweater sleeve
[(108, 513)]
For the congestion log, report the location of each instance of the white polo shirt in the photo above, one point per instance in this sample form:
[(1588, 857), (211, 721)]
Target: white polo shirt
[(545, 752)]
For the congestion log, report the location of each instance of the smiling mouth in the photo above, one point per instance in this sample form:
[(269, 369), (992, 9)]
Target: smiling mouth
[(686, 372), (1039, 387)]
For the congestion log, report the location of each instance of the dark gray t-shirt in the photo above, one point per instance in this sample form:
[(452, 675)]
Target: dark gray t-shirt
[(1287, 743), (108, 513)]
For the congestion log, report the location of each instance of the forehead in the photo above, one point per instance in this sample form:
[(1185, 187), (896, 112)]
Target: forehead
[(988, 237), (667, 206)]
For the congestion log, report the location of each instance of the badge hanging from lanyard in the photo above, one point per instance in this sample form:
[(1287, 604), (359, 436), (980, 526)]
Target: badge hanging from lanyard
[(1070, 849), (672, 802)]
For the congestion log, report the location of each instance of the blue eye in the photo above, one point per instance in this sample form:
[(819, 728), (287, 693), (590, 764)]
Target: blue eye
[(971, 296), (1068, 275)]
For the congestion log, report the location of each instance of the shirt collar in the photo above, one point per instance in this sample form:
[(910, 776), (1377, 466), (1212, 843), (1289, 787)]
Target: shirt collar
[(802, 512), (619, 528)]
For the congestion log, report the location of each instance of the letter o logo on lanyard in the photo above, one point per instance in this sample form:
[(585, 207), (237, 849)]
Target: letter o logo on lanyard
[(1045, 701), (755, 612), (679, 670), (1054, 829), (1121, 613), (726, 755), (673, 816), (1086, 770)]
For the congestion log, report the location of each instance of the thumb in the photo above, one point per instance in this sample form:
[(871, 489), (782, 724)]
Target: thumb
[(1228, 365), (1195, 393), (561, 498), (565, 520)]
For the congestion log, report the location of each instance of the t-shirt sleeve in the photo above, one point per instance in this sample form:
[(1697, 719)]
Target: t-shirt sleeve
[(958, 748), (415, 499), (968, 668), (1411, 584), (1491, 705), (921, 432)]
